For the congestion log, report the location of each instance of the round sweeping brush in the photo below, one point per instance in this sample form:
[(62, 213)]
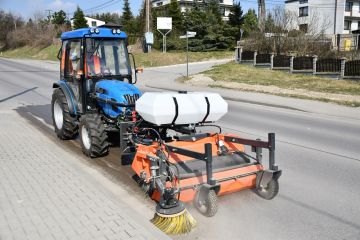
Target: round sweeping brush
[(175, 220)]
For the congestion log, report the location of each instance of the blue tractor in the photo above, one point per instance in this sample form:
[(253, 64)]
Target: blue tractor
[(96, 89)]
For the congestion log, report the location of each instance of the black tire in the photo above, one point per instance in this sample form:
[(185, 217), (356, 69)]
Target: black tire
[(93, 126), (206, 202), (270, 191), (68, 129)]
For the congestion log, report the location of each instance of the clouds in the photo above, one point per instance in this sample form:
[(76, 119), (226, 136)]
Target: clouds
[(63, 5)]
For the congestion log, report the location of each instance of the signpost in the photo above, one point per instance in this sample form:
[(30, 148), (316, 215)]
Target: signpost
[(164, 23), (187, 36)]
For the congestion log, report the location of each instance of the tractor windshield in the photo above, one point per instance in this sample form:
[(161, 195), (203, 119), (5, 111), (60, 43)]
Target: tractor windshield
[(109, 58)]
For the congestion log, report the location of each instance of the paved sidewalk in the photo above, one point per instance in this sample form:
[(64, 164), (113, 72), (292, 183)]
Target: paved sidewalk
[(44, 196)]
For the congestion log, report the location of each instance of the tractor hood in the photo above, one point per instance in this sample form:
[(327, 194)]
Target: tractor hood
[(117, 91)]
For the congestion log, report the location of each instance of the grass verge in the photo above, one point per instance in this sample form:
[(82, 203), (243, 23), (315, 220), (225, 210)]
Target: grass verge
[(48, 53), (234, 72), (248, 78), (153, 59)]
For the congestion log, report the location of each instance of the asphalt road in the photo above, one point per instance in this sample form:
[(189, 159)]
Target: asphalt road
[(319, 154)]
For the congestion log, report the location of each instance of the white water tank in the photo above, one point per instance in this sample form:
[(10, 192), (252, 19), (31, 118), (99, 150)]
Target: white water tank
[(180, 108)]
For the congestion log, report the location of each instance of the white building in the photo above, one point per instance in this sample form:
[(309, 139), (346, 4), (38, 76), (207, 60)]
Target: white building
[(185, 4), (91, 22), (340, 16)]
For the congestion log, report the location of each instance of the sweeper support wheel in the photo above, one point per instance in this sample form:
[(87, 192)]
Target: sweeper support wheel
[(270, 191), (206, 201)]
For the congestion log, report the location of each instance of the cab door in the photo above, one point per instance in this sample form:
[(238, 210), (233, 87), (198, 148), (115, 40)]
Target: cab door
[(72, 68)]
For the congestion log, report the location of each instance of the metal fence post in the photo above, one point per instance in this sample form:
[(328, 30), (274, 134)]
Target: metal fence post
[(271, 61), (342, 71), (255, 54), (291, 63), (315, 58)]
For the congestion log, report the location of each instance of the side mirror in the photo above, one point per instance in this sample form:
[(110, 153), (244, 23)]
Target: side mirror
[(139, 70)]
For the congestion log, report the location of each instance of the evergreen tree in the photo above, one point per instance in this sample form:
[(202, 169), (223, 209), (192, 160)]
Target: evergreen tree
[(250, 22), (59, 18), (175, 13), (214, 11), (236, 15), (79, 19), (127, 14), (127, 18), (270, 23)]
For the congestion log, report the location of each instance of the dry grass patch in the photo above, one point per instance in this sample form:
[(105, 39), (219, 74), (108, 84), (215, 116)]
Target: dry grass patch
[(247, 74)]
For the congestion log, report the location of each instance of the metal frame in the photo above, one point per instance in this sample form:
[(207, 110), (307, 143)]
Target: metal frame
[(257, 145)]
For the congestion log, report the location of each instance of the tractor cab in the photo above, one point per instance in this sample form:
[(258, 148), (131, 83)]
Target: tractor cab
[(95, 63)]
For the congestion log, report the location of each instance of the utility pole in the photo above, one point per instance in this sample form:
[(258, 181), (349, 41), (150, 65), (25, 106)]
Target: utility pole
[(147, 15), (49, 13), (261, 15)]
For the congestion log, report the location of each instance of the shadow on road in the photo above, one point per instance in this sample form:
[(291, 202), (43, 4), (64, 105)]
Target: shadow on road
[(42, 112), (18, 94)]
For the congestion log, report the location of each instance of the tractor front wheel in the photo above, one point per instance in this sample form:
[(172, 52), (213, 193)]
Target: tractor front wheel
[(64, 123), (93, 137)]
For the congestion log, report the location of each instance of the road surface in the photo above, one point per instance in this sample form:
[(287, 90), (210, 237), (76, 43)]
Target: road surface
[(319, 154)]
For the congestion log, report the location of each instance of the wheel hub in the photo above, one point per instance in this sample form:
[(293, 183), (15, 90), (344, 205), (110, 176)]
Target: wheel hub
[(58, 115), (85, 137)]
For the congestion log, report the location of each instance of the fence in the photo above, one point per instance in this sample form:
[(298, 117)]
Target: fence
[(328, 65), (303, 63), (336, 67), (247, 56), (263, 59), (352, 69), (281, 61)]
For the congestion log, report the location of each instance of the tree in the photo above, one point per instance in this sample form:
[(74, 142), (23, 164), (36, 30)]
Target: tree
[(127, 18), (270, 23), (214, 11), (236, 15), (59, 18), (175, 13), (250, 22), (79, 19)]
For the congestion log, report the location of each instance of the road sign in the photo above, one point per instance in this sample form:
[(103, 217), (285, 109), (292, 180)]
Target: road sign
[(164, 23), (188, 35)]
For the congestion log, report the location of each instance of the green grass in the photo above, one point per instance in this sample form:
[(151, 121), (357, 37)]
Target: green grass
[(260, 76), (345, 103), (153, 59), (48, 53)]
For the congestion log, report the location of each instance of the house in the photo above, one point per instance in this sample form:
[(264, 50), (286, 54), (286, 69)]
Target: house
[(339, 16), (225, 5), (91, 22)]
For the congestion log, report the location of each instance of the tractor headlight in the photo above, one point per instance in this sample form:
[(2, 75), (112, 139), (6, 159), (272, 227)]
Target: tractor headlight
[(97, 31), (92, 30), (118, 31), (113, 31)]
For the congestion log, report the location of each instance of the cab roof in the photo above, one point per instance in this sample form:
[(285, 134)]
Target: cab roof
[(104, 33)]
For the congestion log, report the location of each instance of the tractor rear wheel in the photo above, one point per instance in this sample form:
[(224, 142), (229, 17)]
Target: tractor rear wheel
[(93, 137), (64, 123)]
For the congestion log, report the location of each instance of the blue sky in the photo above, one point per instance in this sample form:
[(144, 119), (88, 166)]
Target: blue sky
[(27, 8)]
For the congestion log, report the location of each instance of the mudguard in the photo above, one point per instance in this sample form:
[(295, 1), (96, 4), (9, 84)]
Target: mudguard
[(70, 99)]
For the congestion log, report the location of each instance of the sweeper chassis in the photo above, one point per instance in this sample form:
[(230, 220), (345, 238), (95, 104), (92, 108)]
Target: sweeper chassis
[(204, 166)]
